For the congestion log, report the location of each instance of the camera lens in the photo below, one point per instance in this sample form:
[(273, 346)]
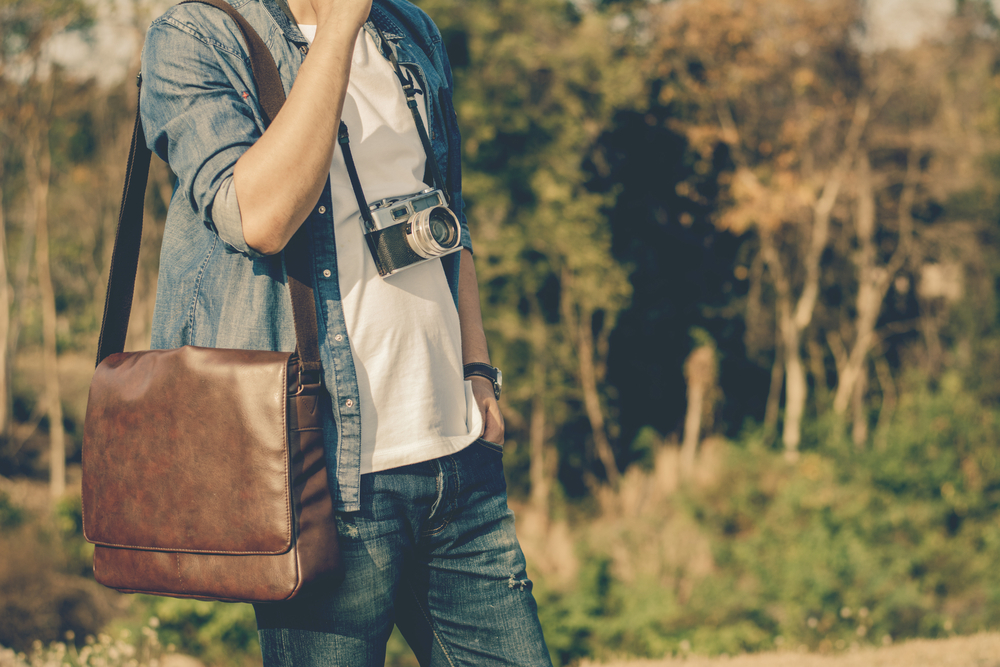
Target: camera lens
[(442, 230), (434, 232)]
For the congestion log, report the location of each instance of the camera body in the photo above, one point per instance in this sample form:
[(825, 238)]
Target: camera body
[(411, 229)]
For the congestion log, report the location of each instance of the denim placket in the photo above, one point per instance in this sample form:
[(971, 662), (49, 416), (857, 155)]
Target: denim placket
[(343, 450)]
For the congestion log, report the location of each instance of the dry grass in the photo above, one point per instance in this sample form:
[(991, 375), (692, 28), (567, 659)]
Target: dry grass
[(982, 650)]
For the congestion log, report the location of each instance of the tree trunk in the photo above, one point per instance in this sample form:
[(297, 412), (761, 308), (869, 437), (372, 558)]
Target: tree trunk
[(859, 431), (796, 390), (38, 163), (4, 317), (21, 275), (793, 320), (592, 400), (817, 368), (888, 404), (699, 370), (692, 427), (873, 279), (538, 471), (580, 329), (789, 329), (872, 287), (773, 405)]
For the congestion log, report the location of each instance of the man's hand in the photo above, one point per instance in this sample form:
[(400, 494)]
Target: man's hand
[(344, 12), (486, 401)]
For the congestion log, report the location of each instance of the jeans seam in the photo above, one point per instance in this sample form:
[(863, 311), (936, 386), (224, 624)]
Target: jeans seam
[(438, 530), (283, 644), (430, 624), (439, 485)]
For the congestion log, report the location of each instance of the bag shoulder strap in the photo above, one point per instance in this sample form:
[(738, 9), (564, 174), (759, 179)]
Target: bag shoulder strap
[(125, 257)]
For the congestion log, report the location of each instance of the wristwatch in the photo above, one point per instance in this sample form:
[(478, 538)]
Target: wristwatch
[(491, 373)]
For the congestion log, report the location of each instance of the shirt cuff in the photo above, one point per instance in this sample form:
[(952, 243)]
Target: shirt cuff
[(466, 238), (227, 221)]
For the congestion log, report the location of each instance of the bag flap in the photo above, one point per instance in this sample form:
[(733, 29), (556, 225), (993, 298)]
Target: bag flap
[(187, 450)]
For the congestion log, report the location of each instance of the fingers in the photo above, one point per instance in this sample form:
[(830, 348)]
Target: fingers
[(493, 426)]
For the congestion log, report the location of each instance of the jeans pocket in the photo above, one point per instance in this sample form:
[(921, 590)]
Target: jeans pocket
[(492, 446)]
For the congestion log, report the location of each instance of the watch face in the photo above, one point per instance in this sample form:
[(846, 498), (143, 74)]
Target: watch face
[(498, 383)]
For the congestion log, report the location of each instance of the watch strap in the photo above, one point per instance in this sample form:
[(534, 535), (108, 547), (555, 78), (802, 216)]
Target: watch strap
[(480, 369)]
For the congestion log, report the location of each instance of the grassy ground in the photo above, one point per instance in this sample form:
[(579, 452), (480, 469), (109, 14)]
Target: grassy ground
[(982, 650)]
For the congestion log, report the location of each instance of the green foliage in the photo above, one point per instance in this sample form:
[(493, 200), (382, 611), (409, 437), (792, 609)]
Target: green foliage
[(398, 653), (644, 446), (11, 515), (26, 24), (218, 632), (893, 540), (845, 546), (69, 523), (604, 616), (42, 593)]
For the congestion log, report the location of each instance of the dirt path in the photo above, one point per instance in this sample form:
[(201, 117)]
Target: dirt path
[(982, 650)]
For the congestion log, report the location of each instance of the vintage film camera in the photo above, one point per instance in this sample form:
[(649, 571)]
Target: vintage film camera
[(404, 231)]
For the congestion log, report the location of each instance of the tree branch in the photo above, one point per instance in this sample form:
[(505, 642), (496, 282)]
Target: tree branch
[(822, 212)]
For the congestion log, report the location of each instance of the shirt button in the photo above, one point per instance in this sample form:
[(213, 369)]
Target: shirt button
[(349, 403), (304, 49), (338, 338), (326, 273), (322, 210)]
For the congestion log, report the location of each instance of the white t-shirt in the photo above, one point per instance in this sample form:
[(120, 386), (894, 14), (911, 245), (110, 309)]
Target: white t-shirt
[(404, 329)]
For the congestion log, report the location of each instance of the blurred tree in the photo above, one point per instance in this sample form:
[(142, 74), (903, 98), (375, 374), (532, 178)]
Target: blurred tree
[(5, 140), (26, 29), (534, 90), (833, 149), (779, 84), (927, 144), (701, 373)]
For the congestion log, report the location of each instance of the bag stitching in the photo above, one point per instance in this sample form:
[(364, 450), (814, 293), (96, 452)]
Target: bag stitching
[(288, 456)]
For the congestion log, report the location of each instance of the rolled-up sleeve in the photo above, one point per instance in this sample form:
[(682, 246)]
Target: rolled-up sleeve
[(199, 113)]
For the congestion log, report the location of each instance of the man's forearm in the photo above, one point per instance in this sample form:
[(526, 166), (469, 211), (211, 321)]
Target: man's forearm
[(470, 314), (474, 348), (280, 178)]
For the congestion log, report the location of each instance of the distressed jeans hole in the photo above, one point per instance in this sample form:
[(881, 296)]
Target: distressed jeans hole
[(519, 584)]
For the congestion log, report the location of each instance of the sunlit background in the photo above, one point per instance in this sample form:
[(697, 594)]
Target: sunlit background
[(739, 266)]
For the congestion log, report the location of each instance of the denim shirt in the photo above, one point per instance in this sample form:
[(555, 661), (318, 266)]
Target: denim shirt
[(200, 112)]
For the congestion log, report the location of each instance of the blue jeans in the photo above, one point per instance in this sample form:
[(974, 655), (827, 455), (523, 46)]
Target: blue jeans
[(432, 550)]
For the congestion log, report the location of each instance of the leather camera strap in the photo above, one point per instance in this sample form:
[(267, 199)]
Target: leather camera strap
[(125, 257), (344, 139)]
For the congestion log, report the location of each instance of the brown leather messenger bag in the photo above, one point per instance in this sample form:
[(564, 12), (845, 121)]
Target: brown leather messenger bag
[(203, 469)]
